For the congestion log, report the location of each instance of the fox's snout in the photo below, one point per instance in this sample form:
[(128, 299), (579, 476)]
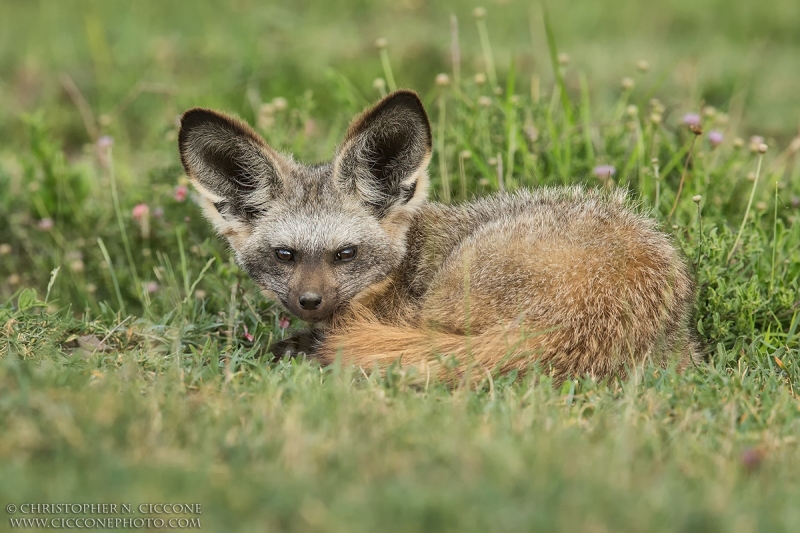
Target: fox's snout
[(310, 305), (310, 301)]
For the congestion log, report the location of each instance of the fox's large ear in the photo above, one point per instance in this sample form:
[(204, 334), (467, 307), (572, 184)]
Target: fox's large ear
[(385, 153), (230, 165)]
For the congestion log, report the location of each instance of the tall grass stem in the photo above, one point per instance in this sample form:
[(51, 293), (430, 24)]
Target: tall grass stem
[(113, 273), (440, 131), (486, 48), (774, 241), (387, 70), (747, 210), (121, 223), (455, 52), (683, 178)]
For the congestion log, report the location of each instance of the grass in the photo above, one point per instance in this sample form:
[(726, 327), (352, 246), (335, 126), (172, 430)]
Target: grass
[(131, 347)]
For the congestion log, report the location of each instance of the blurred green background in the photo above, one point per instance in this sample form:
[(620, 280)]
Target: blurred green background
[(141, 63)]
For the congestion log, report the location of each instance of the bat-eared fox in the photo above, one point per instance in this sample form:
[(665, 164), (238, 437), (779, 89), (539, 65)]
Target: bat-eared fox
[(570, 279)]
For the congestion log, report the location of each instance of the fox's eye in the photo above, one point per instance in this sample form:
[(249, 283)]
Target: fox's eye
[(284, 255), (346, 254)]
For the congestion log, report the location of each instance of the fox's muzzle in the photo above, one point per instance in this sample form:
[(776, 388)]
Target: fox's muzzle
[(310, 301)]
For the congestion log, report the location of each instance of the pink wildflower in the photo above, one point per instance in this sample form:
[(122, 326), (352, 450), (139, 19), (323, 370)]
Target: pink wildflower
[(104, 142), (715, 137), (181, 192), (140, 212), (103, 149), (151, 287), (604, 171), (752, 458), (46, 224), (283, 323), (247, 335), (691, 119)]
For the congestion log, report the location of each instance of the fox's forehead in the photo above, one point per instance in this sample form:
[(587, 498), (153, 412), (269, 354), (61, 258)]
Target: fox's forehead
[(301, 184), (313, 229), (312, 214)]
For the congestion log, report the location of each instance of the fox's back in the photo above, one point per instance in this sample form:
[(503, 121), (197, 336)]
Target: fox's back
[(581, 264)]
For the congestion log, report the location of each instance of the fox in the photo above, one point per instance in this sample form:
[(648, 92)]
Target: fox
[(573, 280)]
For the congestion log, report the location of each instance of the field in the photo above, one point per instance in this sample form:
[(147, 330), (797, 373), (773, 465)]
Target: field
[(133, 362)]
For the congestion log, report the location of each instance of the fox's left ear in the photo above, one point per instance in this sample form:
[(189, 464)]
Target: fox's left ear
[(231, 166), (385, 153)]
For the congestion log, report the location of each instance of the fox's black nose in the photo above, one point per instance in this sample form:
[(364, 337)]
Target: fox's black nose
[(310, 300)]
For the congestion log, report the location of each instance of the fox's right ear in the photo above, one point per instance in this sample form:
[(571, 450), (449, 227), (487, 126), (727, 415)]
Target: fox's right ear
[(230, 165), (385, 153)]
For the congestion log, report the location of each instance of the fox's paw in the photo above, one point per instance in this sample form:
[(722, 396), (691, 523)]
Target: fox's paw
[(302, 343)]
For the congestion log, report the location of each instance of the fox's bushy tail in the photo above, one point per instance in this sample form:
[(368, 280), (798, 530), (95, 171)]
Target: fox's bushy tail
[(455, 358)]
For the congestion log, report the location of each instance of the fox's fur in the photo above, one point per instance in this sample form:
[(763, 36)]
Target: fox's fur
[(569, 278)]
